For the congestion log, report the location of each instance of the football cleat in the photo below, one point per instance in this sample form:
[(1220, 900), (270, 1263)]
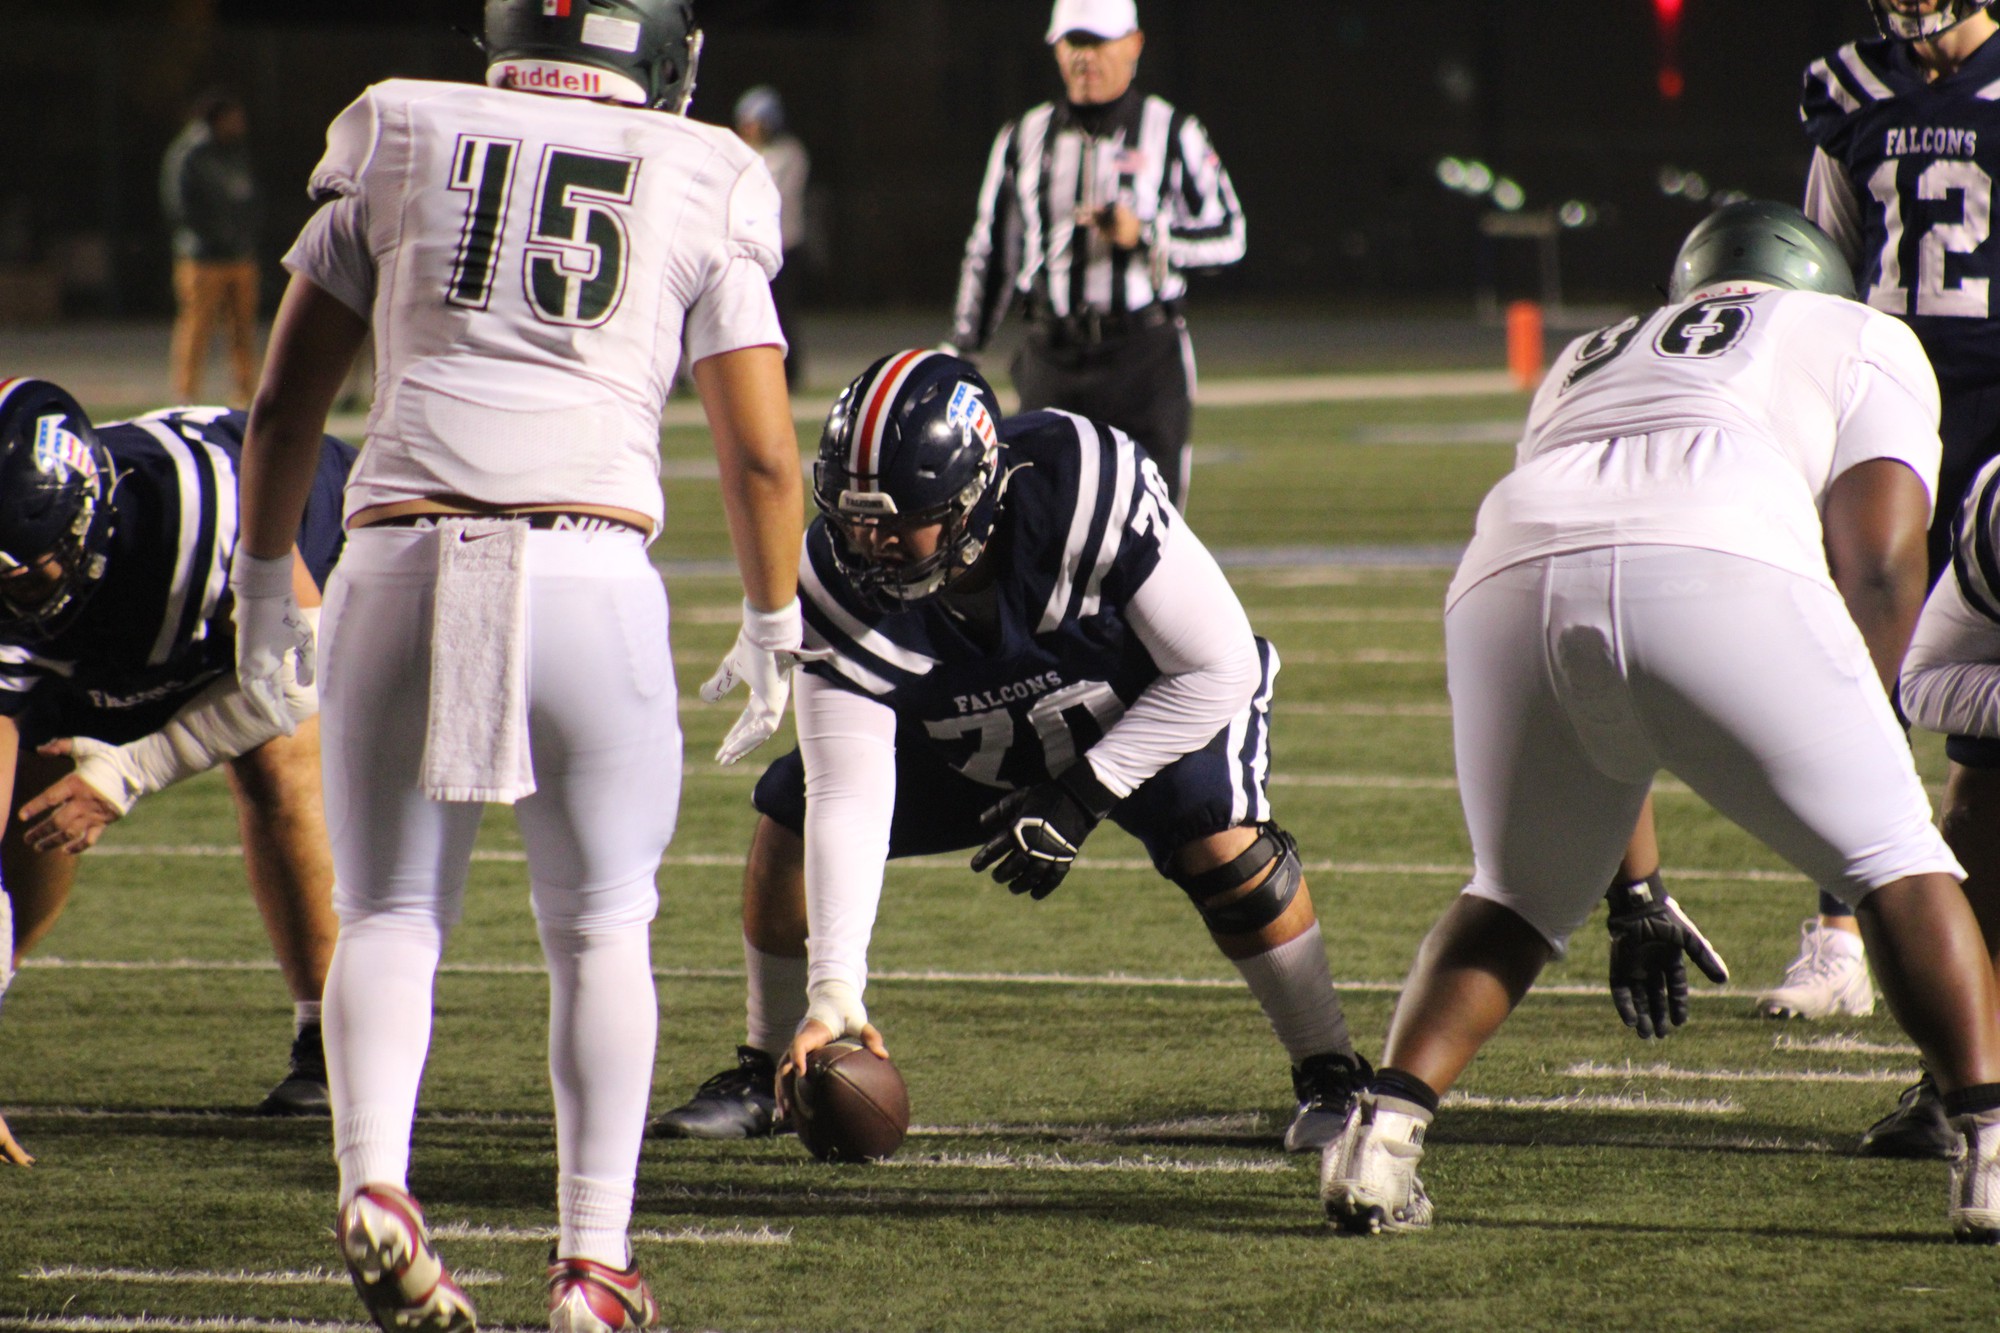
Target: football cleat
[(1917, 1128), (1975, 1179), (1325, 1086), (303, 1091), (1830, 976), (739, 1103), (1368, 1175), (396, 1269), (589, 1297)]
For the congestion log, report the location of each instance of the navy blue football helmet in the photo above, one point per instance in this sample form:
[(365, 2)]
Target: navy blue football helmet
[(56, 480), (648, 48), (1916, 20), (912, 442)]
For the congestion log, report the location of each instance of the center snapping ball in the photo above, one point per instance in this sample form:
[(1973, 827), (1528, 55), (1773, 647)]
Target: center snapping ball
[(849, 1105)]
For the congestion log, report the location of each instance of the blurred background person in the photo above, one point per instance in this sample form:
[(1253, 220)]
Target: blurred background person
[(210, 200), (760, 120)]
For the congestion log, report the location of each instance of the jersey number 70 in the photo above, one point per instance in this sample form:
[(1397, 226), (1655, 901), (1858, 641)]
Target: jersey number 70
[(574, 268)]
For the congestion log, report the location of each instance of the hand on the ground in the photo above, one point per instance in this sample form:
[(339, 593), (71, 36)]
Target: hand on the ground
[(812, 1035), (70, 815)]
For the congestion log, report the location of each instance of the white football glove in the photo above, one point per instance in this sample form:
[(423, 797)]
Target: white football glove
[(766, 650), (269, 628)]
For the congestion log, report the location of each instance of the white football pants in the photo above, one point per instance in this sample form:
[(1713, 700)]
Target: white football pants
[(1575, 678), (604, 729)]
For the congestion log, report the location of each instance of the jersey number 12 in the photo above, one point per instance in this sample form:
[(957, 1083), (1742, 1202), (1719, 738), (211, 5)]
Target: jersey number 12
[(574, 269), (1933, 296)]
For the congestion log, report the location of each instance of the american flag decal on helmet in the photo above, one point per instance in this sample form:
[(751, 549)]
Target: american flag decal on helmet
[(871, 416), (555, 9)]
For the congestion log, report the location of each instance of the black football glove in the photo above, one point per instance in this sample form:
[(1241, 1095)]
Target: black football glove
[(1651, 939), (1034, 834)]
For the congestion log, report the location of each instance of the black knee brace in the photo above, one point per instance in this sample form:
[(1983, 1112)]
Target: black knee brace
[(1262, 905)]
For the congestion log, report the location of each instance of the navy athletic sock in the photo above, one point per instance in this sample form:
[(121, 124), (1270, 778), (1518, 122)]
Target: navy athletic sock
[(1971, 1101), (1404, 1087), (1832, 906)]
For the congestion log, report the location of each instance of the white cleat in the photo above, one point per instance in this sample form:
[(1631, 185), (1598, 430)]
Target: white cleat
[(1368, 1176), (1975, 1180), (1830, 976), (395, 1268)]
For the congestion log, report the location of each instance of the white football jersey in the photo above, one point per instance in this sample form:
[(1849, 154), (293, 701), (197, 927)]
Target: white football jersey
[(528, 264), (1717, 422)]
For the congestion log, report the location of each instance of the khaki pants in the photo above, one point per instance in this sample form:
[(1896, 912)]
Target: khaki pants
[(208, 290)]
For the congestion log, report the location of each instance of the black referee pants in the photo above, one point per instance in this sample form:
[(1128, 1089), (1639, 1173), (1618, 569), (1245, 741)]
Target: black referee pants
[(1138, 382)]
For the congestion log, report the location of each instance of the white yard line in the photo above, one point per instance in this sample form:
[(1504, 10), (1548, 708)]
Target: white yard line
[(241, 1277), (929, 976), (1677, 1074), (1840, 1044), (1584, 1102), (674, 1236), (1000, 1161), (1121, 864)]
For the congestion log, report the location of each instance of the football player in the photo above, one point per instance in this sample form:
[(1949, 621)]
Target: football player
[(1022, 639), (117, 669), (1750, 465), (533, 256), (1906, 146)]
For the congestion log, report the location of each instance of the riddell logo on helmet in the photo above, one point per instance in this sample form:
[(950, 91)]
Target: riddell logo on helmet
[(531, 76)]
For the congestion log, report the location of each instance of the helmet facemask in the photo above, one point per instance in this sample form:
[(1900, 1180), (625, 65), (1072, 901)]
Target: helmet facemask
[(964, 523), (1920, 20)]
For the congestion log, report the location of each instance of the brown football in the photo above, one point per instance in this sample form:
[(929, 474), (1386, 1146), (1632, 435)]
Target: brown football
[(849, 1105)]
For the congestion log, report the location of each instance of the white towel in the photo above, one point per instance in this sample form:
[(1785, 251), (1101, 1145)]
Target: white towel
[(476, 748)]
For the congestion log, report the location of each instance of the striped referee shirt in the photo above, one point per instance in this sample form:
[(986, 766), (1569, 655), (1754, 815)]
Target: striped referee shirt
[(1049, 168)]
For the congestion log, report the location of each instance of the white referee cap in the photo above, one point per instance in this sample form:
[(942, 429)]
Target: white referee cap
[(1106, 19)]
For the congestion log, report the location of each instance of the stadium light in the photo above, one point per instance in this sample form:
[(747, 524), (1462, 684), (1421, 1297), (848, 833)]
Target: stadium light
[(1508, 196)]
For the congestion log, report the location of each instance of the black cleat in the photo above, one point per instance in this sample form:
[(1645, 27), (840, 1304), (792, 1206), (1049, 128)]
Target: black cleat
[(739, 1103), (1917, 1128), (303, 1091), (1325, 1086)]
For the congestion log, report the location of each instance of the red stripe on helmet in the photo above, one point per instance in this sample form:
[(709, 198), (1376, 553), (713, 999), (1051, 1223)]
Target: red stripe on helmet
[(874, 414)]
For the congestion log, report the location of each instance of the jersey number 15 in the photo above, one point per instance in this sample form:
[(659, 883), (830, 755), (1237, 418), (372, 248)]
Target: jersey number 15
[(1942, 239), (574, 268)]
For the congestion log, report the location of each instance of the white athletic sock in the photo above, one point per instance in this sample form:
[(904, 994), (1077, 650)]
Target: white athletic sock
[(777, 999), (305, 1013), (377, 1033), (603, 1026), (1295, 986), (595, 1215)]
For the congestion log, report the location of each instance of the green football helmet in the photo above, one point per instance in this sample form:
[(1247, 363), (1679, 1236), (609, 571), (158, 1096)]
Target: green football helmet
[(1759, 241)]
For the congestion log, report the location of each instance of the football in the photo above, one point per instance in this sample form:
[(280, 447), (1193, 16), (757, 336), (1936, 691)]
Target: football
[(849, 1105)]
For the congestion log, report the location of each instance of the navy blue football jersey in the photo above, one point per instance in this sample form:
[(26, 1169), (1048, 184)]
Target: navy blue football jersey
[(1080, 526), (157, 629), (1922, 159)]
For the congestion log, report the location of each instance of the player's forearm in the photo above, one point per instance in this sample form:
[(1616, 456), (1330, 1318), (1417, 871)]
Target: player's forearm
[(217, 725), (848, 744), (1884, 599), (313, 342), (1191, 624), (757, 451), (1951, 675)]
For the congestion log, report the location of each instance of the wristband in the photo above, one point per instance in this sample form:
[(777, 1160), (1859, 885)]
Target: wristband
[(254, 577), (776, 630)]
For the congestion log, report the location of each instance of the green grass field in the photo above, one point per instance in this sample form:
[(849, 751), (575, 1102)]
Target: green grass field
[(1098, 1103)]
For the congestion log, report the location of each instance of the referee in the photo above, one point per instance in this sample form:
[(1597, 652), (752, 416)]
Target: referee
[(1092, 209)]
